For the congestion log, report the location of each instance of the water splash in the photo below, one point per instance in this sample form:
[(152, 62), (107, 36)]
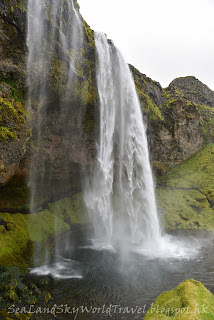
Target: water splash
[(63, 269)]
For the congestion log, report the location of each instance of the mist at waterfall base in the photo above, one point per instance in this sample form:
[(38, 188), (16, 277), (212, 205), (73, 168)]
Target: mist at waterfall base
[(106, 281), (119, 192)]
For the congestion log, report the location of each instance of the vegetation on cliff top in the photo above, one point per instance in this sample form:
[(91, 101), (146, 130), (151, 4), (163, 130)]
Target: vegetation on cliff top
[(185, 194), (190, 300)]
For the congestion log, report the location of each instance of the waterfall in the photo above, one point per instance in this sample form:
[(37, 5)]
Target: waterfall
[(54, 41), (120, 195)]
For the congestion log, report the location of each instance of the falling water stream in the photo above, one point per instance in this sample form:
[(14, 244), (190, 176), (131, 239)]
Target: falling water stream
[(54, 36), (121, 198), (120, 195), (54, 39)]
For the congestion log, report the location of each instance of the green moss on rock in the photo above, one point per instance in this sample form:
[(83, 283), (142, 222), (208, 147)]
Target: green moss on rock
[(7, 316), (149, 93), (191, 110), (185, 195), (17, 241), (18, 294), (2, 229), (70, 209), (207, 121), (19, 4), (190, 300), (12, 111)]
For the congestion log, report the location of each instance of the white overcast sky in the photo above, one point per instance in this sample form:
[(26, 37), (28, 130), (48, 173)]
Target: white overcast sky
[(164, 39)]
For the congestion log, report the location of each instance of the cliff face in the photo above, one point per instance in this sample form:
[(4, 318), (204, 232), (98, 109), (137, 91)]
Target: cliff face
[(13, 130), (179, 118), (72, 138)]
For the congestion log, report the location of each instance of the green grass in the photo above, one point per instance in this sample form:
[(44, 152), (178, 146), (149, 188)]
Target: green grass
[(189, 301), (185, 195)]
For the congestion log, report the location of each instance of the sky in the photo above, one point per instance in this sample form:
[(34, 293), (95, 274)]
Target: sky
[(163, 39)]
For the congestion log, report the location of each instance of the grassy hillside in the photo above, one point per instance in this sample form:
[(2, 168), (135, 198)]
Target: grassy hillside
[(185, 195)]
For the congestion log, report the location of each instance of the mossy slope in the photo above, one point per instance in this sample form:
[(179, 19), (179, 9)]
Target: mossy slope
[(19, 232), (189, 301), (185, 194)]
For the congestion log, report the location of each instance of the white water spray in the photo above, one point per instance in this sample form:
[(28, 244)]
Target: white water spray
[(121, 199), (120, 195)]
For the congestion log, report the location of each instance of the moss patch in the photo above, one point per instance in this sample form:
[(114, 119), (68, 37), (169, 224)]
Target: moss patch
[(19, 4), (185, 195), (17, 243), (12, 111), (17, 294), (70, 209), (148, 92), (4, 315), (207, 121), (205, 113), (190, 300)]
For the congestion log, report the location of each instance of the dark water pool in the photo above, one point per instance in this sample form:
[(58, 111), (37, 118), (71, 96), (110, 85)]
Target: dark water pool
[(104, 284)]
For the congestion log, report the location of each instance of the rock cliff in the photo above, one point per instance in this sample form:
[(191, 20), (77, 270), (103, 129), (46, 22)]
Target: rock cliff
[(180, 118), (13, 129)]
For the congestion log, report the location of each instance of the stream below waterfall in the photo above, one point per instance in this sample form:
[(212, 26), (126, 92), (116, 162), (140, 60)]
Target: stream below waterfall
[(99, 279)]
